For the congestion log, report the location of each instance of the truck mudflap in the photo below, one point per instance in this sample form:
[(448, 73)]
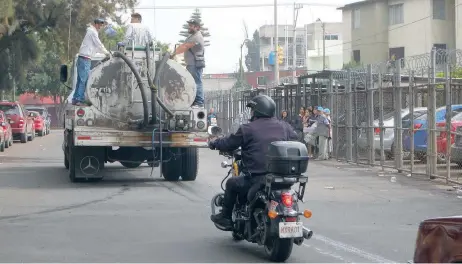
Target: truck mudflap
[(140, 139)]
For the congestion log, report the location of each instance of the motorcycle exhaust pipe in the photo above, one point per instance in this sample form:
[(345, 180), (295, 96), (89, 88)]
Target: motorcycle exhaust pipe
[(307, 234)]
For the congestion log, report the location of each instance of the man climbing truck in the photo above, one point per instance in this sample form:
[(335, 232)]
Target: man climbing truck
[(139, 112)]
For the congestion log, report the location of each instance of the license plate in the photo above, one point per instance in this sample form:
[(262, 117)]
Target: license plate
[(290, 229)]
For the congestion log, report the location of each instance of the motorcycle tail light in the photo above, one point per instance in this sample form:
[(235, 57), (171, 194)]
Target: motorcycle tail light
[(291, 219), (287, 199)]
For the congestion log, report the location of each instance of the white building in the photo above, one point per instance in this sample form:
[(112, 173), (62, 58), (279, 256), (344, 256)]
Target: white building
[(309, 43)]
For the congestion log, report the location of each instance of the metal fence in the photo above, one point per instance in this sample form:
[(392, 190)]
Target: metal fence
[(366, 128)]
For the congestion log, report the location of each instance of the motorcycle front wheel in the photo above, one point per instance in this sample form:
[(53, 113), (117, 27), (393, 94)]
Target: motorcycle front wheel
[(279, 249)]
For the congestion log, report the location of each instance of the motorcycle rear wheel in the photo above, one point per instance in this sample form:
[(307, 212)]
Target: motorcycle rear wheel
[(279, 249)]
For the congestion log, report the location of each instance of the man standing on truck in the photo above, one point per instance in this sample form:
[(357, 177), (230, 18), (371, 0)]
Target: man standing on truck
[(193, 50), (91, 45), (137, 34)]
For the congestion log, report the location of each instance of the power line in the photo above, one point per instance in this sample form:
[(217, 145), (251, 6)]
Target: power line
[(386, 31), (233, 6)]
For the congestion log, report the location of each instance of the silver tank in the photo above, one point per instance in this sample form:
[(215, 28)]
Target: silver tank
[(114, 92)]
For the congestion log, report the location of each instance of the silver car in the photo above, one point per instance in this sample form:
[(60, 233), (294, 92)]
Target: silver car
[(389, 132)]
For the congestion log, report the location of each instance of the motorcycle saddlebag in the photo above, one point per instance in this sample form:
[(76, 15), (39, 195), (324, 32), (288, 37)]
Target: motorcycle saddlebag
[(287, 158)]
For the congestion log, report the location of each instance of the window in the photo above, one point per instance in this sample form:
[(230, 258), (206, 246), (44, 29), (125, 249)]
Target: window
[(395, 14), (331, 37), (261, 80), (396, 54), (439, 58), (357, 56), (439, 9), (356, 19)]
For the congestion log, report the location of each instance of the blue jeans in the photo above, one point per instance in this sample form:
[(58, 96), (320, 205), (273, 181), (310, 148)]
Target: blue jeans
[(83, 71), (197, 75)]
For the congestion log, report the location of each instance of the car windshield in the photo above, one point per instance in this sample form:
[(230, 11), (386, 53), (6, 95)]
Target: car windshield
[(457, 117), (391, 115), (39, 110), (422, 117), (10, 109)]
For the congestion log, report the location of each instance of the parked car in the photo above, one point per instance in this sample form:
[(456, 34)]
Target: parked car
[(456, 147), (8, 133), (43, 111), (388, 130), (39, 123), (438, 241), (20, 121), (420, 131), (441, 137)]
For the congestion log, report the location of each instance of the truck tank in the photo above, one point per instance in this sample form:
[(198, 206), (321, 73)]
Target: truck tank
[(115, 94)]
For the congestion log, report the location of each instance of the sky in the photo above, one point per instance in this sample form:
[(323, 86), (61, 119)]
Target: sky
[(226, 25)]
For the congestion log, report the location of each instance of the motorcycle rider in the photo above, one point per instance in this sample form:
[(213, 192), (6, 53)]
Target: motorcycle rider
[(253, 138)]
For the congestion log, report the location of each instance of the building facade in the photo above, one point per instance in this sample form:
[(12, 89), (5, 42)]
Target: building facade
[(381, 30), (309, 46)]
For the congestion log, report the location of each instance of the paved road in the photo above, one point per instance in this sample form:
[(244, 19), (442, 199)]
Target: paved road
[(133, 217)]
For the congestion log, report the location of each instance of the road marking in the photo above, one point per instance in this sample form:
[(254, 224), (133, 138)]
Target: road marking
[(347, 248)]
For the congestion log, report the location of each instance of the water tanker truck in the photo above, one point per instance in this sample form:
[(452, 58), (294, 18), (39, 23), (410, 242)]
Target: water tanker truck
[(139, 113)]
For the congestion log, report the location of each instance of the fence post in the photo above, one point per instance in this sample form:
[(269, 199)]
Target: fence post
[(382, 150), (370, 114), (349, 119), (447, 75), (411, 110), (431, 118), (330, 89), (398, 123)]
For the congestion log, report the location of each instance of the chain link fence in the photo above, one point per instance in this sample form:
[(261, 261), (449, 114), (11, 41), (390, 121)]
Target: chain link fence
[(404, 114)]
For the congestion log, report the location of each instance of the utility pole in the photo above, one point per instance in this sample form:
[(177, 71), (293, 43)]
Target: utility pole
[(294, 41), (276, 63), (323, 26)]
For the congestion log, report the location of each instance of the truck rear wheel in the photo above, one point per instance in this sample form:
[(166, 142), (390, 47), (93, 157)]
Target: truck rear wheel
[(185, 165)]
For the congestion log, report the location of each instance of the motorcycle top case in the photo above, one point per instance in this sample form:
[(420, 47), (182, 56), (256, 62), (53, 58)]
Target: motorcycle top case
[(287, 158)]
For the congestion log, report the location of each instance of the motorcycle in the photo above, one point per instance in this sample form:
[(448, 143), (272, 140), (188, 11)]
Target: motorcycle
[(271, 217)]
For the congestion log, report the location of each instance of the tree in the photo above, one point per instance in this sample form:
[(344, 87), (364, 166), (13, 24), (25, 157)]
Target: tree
[(20, 20), (205, 32), (252, 59)]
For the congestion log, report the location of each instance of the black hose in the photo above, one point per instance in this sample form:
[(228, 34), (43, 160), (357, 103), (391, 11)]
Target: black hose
[(140, 84), (159, 70), (151, 86)]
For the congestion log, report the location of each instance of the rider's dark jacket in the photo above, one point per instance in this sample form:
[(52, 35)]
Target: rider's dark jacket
[(254, 139)]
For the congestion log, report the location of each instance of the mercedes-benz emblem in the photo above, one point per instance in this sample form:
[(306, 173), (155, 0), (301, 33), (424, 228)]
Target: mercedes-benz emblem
[(89, 165)]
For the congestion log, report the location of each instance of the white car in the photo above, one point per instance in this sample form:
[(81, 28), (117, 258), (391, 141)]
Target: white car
[(388, 130)]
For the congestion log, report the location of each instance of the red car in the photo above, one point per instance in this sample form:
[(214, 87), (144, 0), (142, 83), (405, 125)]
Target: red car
[(8, 133), (21, 123), (39, 123), (441, 137)]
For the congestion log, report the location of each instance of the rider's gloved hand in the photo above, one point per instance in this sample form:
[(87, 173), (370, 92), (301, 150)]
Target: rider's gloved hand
[(212, 145)]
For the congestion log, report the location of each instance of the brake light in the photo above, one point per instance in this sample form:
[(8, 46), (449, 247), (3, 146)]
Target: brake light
[(80, 112), (21, 121), (287, 199), (291, 219), (417, 127), (377, 130)]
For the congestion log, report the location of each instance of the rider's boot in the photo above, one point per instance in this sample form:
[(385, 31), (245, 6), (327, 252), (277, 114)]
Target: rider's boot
[(223, 219)]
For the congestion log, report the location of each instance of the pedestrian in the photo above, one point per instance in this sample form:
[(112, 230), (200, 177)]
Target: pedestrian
[(285, 116), (212, 118), (322, 131), (329, 142), (137, 34), (193, 50), (91, 45)]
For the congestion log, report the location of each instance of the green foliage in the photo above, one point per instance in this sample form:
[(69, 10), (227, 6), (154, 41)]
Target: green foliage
[(456, 73), (205, 32), (351, 65), (164, 47), (111, 43), (252, 59)]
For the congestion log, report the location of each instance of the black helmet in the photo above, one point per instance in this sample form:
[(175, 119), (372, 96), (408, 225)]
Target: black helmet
[(262, 106), (99, 21)]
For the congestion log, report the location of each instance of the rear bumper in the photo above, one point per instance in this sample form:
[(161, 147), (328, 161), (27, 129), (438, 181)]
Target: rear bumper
[(108, 138), (17, 131)]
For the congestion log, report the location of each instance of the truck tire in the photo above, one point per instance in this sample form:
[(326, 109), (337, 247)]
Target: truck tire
[(190, 160), (130, 165), (66, 161), (185, 165)]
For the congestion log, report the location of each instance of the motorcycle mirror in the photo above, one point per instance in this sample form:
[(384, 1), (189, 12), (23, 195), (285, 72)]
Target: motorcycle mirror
[(224, 164), (214, 130)]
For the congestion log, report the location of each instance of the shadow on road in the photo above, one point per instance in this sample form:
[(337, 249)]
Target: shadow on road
[(56, 177)]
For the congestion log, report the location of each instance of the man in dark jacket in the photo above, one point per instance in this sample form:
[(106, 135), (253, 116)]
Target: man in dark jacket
[(254, 139)]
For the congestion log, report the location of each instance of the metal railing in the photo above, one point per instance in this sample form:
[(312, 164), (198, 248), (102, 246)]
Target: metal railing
[(366, 128)]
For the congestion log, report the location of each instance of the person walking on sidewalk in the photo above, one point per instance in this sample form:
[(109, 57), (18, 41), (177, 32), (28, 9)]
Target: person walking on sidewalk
[(91, 45), (322, 130), (193, 50)]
